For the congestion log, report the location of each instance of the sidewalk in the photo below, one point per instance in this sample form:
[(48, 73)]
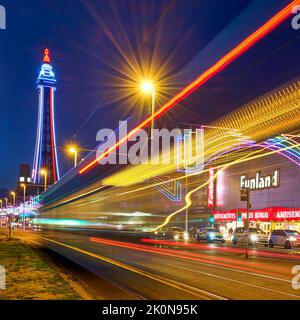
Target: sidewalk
[(29, 277)]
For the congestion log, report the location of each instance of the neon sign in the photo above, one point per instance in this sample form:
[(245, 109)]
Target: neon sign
[(211, 188), (266, 214), (260, 182)]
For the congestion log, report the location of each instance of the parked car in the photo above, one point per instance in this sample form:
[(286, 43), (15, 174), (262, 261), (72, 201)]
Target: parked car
[(175, 233), (284, 238), (210, 235), (255, 236)]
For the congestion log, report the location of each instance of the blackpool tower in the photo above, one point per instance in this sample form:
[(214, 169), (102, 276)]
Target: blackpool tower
[(45, 155)]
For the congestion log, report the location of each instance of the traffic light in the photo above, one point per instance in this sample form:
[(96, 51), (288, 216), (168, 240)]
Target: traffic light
[(211, 219), (239, 216)]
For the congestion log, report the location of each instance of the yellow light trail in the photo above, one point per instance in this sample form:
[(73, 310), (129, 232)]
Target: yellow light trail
[(280, 110), (273, 114), (222, 168), (106, 195)]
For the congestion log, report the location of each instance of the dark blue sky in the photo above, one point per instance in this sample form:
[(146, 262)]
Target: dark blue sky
[(91, 41)]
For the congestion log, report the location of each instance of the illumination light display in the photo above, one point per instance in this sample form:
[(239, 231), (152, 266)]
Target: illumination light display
[(45, 155)]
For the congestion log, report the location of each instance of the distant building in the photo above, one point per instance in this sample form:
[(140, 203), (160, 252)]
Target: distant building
[(24, 178), (24, 174)]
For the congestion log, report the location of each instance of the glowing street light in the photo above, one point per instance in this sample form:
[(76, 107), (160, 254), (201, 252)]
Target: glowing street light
[(74, 150), (23, 185), (13, 194), (44, 173), (147, 87), (6, 202), (1, 202)]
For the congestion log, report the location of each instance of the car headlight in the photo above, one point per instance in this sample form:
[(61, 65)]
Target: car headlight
[(253, 237), (186, 236), (292, 238), (176, 237)]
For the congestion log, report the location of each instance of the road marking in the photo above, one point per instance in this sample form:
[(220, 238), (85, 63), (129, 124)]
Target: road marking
[(238, 281), (242, 271), (177, 285), (233, 280)]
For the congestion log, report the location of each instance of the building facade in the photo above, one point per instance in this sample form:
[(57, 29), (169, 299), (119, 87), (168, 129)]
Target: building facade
[(273, 181)]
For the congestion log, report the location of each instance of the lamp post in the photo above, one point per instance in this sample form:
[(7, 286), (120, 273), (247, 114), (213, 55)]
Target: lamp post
[(1, 202), (23, 185), (74, 150), (13, 194), (147, 87), (44, 173), (6, 202)]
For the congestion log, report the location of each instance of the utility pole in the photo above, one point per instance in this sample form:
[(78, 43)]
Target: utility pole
[(10, 218), (187, 209), (245, 196)]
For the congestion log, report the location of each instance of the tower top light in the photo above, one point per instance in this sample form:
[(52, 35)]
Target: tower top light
[(46, 58)]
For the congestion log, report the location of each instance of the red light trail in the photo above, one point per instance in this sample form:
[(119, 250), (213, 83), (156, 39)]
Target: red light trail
[(245, 45), (244, 265), (224, 249)]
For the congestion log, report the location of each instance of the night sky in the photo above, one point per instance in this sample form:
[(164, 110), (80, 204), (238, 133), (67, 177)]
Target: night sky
[(93, 43)]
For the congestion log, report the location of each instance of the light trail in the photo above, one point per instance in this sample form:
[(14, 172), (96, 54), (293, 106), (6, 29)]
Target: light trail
[(259, 120), (217, 167), (223, 249), (245, 45), (244, 265), (226, 166), (163, 280)]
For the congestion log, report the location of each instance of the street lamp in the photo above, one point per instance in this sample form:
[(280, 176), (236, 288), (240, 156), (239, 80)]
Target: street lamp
[(23, 185), (74, 150), (1, 201), (6, 202), (13, 194), (147, 87), (44, 173)]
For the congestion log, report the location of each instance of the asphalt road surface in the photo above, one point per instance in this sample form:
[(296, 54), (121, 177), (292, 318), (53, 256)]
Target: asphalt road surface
[(148, 268)]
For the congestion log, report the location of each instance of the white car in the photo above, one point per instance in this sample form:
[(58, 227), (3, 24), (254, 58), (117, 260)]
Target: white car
[(255, 236), (284, 238)]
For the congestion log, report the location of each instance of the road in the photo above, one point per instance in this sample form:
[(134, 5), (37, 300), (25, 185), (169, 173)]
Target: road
[(146, 268)]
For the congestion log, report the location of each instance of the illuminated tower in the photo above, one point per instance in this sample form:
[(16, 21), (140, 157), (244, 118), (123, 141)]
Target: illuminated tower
[(45, 156)]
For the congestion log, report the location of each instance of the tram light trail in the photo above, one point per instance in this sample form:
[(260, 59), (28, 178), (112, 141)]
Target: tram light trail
[(244, 46)]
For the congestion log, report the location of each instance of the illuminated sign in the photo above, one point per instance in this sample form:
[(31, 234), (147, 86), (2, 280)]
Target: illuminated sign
[(288, 215), (266, 214), (211, 188), (260, 182)]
